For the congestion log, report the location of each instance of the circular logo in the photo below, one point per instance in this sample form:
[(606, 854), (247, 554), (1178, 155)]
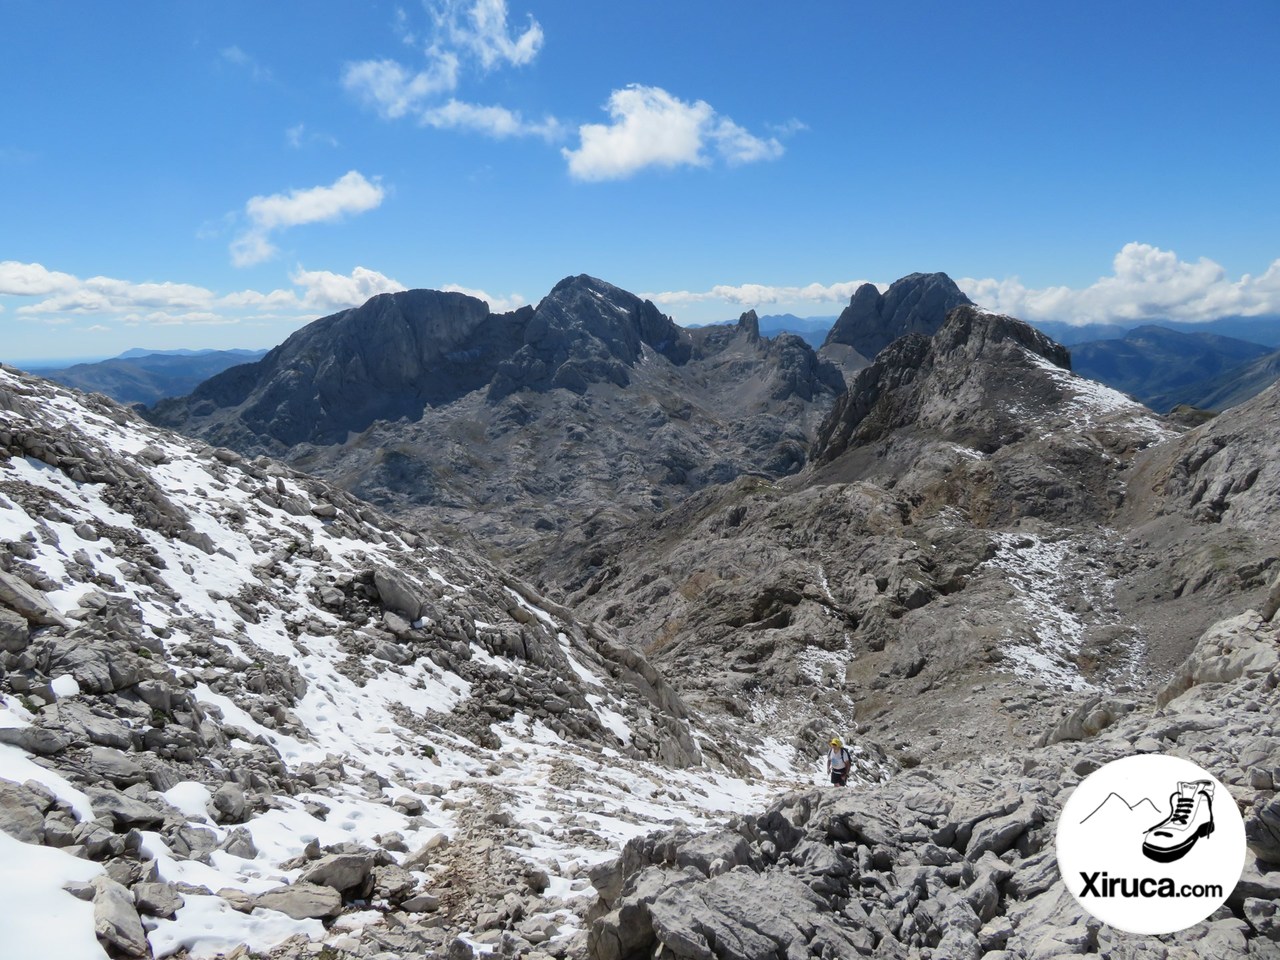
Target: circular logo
[(1150, 844)]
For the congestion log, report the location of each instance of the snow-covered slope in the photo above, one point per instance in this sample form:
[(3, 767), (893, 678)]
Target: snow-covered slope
[(219, 677)]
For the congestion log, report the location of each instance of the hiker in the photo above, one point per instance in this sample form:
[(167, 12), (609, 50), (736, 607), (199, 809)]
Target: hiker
[(839, 762)]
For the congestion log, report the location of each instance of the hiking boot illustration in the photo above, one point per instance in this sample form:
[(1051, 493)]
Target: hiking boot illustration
[(1190, 818)]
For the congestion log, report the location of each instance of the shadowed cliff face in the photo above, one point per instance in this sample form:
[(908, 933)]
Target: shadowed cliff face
[(918, 303), (975, 382), (389, 358)]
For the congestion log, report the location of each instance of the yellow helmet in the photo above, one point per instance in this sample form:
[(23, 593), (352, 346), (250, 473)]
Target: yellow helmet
[(835, 741)]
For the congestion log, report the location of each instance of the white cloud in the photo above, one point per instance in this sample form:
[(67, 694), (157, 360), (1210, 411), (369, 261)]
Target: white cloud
[(106, 295), (481, 27), (473, 32), (1147, 283), (493, 121), (650, 127), (737, 146), (110, 300), (349, 194), (393, 91), (31, 280), (759, 294), (323, 290)]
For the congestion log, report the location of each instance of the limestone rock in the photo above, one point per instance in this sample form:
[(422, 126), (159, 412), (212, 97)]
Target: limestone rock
[(302, 901)]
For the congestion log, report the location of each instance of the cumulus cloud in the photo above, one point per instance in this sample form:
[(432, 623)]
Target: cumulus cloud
[(759, 294), (474, 32), (106, 295), (649, 127), (324, 290), (349, 194), (1147, 283), (496, 122), (31, 280)]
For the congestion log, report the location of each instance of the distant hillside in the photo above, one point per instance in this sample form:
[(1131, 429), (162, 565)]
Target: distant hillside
[(138, 376), (812, 330), (1164, 367), (1242, 383), (1263, 330)]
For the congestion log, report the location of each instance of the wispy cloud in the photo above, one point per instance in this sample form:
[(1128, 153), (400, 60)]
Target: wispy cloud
[(351, 193), (474, 34), (393, 90), (651, 128), (1147, 283), (298, 136), (241, 60), (496, 122)]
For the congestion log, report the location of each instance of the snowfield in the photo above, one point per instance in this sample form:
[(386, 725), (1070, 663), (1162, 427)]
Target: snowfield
[(244, 576)]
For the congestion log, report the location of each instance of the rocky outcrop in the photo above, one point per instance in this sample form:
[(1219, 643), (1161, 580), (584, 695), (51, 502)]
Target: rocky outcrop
[(947, 862), (976, 382), (918, 303)]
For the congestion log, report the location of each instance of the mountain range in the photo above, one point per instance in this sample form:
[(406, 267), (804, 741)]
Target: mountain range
[(441, 632), (147, 376)]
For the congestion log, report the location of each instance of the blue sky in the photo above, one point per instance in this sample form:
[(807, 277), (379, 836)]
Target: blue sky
[(215, 174)]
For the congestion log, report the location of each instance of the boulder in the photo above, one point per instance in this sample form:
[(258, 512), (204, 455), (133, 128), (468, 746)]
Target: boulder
[(348, 873), (157, 899), (22, 812), (302, 901), (115, 920), (29, 602)]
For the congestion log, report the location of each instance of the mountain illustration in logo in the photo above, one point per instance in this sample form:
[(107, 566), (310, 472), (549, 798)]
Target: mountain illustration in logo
[(1189, 817), (1116, 810)]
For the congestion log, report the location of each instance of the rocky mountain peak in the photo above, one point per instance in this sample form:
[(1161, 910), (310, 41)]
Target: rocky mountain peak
[(917, 303), (982, 380), (749, 324), (587, 331), (389, 358)]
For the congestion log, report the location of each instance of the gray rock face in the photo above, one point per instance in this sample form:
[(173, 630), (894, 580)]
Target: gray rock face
[(974, 381), (389, 358), (918, 303), (586, 331)]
